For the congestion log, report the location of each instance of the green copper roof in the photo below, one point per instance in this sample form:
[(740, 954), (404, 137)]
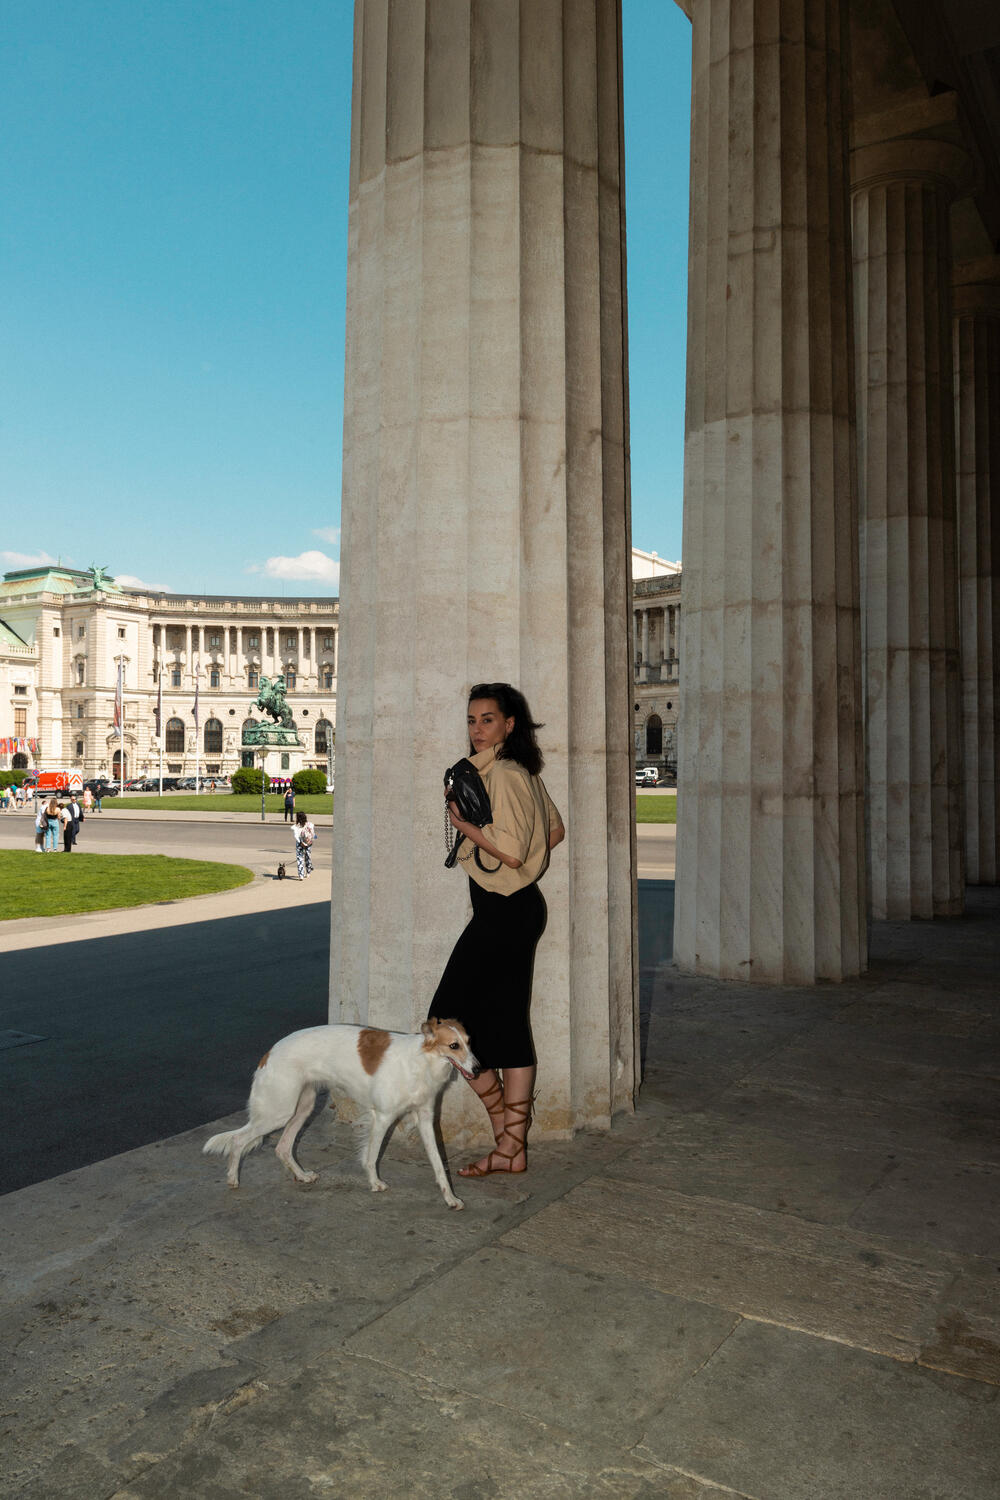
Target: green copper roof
[(48, 579), (10, 637)]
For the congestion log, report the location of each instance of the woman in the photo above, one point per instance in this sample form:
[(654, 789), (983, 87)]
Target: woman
[(487, 981), (52, 829), (304, 833), (66, 819), (41, 826)]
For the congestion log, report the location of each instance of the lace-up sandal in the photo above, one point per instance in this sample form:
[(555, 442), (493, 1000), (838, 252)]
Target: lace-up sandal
[(503, 1161), (493, 1103)]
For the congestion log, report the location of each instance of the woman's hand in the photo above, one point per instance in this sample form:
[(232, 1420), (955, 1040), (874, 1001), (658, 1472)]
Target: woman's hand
[(456, 821)]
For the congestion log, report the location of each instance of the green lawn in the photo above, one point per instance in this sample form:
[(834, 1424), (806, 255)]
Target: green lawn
[(215, 802), (51, 885), (653, 808)]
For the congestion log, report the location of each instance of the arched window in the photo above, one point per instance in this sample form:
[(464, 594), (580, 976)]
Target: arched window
[(213, 737), (117, 769), (654, 735), (175, 736), (324, 736), (19, 762)]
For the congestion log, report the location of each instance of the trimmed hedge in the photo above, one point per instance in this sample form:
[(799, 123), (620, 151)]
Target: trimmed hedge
[(310, 783), (247, 779)]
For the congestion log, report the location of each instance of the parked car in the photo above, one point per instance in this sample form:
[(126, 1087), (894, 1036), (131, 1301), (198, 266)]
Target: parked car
[(647, 776), (108, 788)]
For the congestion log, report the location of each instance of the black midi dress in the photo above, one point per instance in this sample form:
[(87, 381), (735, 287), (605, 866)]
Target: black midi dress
[(487, 981)]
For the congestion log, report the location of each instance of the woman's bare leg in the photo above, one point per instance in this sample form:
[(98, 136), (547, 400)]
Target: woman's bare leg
[(509, 1154), (490, 1090)]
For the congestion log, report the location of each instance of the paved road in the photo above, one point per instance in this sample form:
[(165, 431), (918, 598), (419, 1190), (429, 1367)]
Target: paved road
[(142, 1035), (257, 845)]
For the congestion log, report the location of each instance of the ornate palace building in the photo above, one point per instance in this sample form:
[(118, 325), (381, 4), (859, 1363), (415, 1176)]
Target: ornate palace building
[(63, 633), (656, 634)]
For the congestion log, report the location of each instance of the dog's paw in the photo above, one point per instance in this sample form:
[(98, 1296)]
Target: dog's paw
[(454, 1202), (308, 1177), (378, 1186)]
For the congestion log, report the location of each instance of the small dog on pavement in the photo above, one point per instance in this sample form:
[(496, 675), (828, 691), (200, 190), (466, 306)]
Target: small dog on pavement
[(281, 872), (392, 1074)]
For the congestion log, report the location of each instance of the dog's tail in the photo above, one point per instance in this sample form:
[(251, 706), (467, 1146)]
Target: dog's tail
[(220, 1145)]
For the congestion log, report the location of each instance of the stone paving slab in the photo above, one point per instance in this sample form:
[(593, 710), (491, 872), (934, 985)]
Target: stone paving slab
[(961, 1133), (942, 1206), (831, 1282), (813, 1178), (594, 1353), (796, 1418), (966, 1339), (352, 1427)]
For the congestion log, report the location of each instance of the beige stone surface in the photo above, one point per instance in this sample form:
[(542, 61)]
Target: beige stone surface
[(770, 852), (976, 304), (909, 575), (832, 1282), (485, 506)]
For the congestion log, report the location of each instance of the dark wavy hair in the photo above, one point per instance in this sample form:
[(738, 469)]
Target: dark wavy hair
[(520, 744)]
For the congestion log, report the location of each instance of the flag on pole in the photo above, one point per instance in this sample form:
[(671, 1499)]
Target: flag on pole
[(119, 720), (159, 699)]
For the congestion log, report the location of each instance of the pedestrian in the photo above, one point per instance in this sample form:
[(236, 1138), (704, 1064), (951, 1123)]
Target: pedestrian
[(76, 813), (289, 805), (41, 824), (52, 828), (487, 981), (99, 796), (305, 835), (88, 799), (66, 819)]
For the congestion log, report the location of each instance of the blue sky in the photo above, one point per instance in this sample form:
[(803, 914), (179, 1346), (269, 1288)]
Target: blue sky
[(172, 281)]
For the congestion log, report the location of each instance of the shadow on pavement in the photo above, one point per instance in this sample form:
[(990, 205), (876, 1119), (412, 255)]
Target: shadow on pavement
[(148, 1034)]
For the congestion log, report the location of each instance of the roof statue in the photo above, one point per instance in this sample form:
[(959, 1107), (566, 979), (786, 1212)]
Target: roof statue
[(101, 578)]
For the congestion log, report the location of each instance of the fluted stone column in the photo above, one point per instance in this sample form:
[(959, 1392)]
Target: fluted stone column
[(976, 307), (906, 457), (485, 512), (770, 868)]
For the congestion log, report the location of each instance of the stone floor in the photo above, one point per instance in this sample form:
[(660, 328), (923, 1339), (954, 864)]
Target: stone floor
[(780, 1279)]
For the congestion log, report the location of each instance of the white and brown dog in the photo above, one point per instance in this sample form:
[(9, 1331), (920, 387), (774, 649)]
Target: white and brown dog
[(390, 1073)]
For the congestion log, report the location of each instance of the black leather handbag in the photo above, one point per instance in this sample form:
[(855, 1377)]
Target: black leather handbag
[(465, 787)]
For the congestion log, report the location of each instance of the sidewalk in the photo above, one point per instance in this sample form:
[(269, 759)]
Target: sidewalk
[(777, 1280)]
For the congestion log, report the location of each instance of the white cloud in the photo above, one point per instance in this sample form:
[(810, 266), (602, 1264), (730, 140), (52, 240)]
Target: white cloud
[(329, 534), (308, 565), (129, 581), (12, 562)]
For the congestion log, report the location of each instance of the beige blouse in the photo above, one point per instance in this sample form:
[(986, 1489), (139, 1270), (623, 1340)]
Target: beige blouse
[(523, 816)]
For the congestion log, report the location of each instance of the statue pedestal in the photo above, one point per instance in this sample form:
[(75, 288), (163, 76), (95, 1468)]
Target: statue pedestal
[(275, 748)]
